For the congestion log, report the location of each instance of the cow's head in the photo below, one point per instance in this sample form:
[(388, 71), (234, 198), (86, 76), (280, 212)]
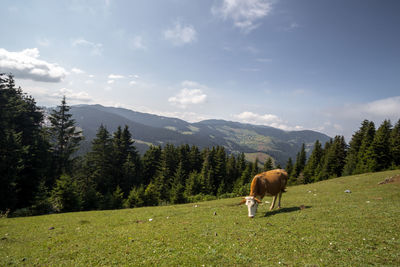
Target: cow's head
[(252, 205)]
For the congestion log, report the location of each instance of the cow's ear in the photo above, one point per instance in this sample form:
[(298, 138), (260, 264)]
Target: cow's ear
[(256, 199), (243, 201)]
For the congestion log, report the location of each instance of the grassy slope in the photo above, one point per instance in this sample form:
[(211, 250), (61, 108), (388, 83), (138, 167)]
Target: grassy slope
[(335, 228)]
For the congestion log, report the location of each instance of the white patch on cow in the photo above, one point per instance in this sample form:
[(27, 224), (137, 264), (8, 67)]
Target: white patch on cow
[(252, 206)]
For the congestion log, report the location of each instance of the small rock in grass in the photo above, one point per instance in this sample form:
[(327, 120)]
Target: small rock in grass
[(216, 234), (51, 228), (150, 220), (347, 191), (23, 259), (215, 213)]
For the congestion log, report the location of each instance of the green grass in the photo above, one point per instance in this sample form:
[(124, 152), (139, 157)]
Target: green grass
[(334, 229)]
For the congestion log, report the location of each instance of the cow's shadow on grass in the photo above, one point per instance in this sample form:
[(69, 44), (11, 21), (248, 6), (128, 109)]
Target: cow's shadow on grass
[(285, 210)]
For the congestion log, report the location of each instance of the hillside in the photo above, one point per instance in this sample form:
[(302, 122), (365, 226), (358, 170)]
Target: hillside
[(319, 225), (157, 130)]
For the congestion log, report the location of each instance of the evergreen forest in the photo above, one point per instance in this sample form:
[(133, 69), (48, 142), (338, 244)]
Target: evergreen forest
[(41, 173)]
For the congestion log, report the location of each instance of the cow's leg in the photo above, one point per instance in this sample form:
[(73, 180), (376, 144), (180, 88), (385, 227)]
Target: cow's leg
[(279, 202), (273, 203)]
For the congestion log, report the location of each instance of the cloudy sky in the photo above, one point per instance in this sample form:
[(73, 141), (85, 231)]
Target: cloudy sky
[(310, 64)]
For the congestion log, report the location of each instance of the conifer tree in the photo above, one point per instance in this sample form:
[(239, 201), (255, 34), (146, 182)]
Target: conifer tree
[(255, 170), (136, 197), (395, 144), (195, 159), (379, 157), (207, 176), (362, 155), (268, 165), (24, 153), (65, 137), (232, 173), (64, 195), (300, 161), (354, 148), (334, 158), (193, 184), (151, 162), (313, 163), (220, 170), (289, 169), (177, 189), (100, 162)]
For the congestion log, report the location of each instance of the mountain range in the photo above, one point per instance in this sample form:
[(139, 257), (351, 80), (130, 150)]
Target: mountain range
[(148, 129)]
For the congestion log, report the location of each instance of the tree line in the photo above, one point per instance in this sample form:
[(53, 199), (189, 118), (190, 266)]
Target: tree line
[(41, 173), (369, 150)]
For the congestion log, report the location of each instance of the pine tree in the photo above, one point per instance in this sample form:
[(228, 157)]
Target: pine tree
[(395, 144), (290, 169), (354, 148), (220, 171), (379, 157), (136, 197), (207, 176), (268, 165), (117, 198), (100, 162), (313, 163), (151, 162), (300, 162), (333, 159), (24, 153), (193, 184), (232, 173), (126, 161), (151, 195), (64, 196), (195, 159), (64, 138), (165, 175), (255, 170), (363, 155)]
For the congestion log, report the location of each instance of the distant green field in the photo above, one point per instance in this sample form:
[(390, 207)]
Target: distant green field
[(332, 228)]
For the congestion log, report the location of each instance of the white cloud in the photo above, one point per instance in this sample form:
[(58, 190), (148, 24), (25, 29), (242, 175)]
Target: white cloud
[(180, 34), (244, 13), (73, 96), (96, 48), (265, 119), (110, 81), (89, 82), (27, 65), (378, 109), (188, 97), (137, 43), (115, 76), (51, 97), (132, 83), (77, 71)]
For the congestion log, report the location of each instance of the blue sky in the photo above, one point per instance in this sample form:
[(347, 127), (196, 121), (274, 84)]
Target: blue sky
[(310, 64)]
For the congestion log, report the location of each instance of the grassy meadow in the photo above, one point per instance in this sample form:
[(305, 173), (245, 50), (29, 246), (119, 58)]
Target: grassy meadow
[(318, 225)]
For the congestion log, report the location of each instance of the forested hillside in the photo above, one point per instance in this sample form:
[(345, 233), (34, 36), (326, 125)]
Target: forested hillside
[(148, 129), (41, 172)]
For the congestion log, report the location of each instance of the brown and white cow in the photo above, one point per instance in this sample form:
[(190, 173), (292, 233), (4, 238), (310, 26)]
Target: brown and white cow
[(270, 183)]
